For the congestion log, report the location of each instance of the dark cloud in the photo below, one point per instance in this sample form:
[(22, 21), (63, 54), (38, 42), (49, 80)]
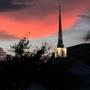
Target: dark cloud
[(11, 5), (5, 36), (83, 16), (41, 7), (48, 6)]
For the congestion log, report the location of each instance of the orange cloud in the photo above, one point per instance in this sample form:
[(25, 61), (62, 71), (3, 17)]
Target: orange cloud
[(38, 27)]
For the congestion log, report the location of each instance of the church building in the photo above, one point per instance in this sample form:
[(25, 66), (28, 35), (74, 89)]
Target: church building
[(60, 51)]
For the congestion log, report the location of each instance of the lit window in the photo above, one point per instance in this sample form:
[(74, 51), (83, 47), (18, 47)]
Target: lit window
[(61, 52)]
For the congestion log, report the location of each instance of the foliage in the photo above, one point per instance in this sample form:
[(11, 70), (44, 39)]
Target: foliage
[(38, 56), (36, 66), (87, 36), (19, 49)]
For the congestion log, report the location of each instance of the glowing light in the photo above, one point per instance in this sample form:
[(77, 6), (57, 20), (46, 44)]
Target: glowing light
[(61, 52)]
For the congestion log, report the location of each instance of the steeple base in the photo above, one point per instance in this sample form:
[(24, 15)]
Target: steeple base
[(61, 52)]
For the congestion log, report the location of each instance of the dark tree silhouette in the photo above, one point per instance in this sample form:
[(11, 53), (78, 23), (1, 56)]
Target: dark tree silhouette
[(19, 49), (38, 66), (87, 36)]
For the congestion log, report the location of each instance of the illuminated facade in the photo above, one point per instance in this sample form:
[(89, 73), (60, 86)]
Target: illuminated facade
[(60, 51)]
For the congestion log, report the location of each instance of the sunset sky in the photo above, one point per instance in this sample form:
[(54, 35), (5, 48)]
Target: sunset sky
[(40, 18)]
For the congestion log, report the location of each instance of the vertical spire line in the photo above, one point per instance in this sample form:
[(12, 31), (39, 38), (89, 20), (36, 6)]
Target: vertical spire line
[(60, 37)]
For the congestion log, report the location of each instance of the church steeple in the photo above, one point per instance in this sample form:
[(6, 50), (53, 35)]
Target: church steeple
[(60, 51), (60, 37)]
